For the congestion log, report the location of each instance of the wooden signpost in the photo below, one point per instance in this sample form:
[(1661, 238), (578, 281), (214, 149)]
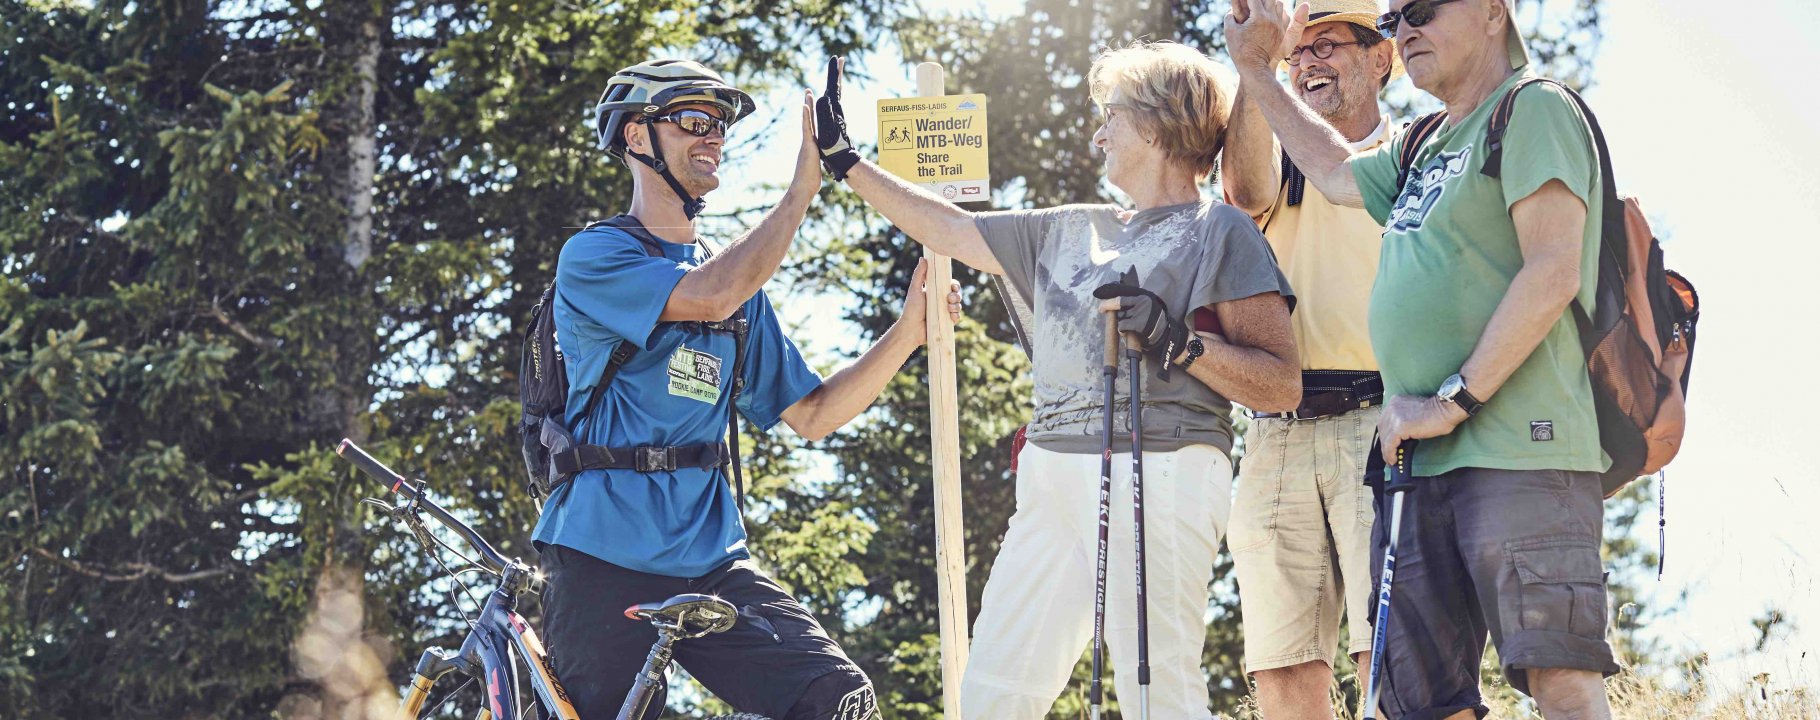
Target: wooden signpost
[(940, 144)]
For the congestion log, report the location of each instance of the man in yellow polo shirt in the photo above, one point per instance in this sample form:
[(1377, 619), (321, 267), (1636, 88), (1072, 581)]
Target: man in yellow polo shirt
[(1301, 525)]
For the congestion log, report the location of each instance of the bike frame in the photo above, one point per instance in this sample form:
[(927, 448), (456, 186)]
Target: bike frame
[(486, 654)]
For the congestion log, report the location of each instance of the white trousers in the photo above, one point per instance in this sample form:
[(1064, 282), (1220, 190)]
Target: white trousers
[(1036, 617)]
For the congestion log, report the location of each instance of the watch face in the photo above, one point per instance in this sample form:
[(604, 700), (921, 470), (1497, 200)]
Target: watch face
[(1451, 386)]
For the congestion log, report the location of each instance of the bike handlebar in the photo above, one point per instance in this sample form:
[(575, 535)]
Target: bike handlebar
[(489, 557)]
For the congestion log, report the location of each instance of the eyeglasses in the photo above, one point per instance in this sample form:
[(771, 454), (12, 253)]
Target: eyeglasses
[(1106, 112), (694, 122), (1322, 48), (1418, 13)]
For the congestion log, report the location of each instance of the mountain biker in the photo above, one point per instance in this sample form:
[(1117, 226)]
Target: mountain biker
[(668, 524)]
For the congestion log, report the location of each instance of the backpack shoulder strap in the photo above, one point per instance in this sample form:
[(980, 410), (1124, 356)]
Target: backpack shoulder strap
[(1614, 261), (1415, 135), (1294, 182), (1500, 122), (631, 226), (623, 352)]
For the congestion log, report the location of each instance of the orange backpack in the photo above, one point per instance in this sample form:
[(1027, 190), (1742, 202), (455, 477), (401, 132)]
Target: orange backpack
[(1639, 339)]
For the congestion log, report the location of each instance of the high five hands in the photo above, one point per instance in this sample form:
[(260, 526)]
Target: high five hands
[(1260, 33)]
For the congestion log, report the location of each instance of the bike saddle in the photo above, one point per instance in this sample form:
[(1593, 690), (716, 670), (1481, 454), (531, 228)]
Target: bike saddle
[(691, 615)]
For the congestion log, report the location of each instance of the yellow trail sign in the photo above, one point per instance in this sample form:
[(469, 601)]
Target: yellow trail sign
[(938, 143)]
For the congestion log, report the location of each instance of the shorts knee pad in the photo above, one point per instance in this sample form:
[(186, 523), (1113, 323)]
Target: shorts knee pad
[(843, 694)]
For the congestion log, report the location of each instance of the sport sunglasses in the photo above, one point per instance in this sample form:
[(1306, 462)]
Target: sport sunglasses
[(1418, 13), (694, 122)]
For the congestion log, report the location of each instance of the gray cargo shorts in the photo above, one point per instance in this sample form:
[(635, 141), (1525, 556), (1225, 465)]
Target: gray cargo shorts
[(1509, 553)]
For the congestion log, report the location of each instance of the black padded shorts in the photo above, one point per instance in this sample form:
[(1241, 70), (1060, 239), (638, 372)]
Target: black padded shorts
[(766, 663)]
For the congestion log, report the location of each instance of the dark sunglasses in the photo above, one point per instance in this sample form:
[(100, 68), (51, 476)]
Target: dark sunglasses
[(694, 122), (1323, 49), (1418, 13)]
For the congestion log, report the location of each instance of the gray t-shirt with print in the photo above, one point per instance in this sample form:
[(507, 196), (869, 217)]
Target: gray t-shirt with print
[(1191, 255)]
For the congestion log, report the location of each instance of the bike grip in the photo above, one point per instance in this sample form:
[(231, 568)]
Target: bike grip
[(367, 464)]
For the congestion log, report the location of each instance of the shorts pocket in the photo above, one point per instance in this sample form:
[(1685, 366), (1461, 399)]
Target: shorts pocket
[(755, 617), (1561, 586), (1260, 489)]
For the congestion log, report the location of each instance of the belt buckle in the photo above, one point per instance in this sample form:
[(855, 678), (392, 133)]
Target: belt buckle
[(654, 459)]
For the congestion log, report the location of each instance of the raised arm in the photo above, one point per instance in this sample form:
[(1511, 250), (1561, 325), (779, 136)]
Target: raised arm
[(845, 394), (938, 224), (1258, 34), (715, 289), (1249, 170), (926, 218)]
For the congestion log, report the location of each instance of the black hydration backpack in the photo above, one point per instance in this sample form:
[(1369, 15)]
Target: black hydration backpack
[(551, 454)]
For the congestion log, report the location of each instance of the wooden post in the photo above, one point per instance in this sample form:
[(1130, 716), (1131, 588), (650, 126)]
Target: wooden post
[(945, 437)]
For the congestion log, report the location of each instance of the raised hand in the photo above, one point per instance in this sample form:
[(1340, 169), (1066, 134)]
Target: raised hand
[(1260, 33), (837, 153), (808, 178)]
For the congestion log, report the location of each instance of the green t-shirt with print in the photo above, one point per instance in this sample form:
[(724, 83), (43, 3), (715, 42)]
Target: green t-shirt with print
[(1449, 254)]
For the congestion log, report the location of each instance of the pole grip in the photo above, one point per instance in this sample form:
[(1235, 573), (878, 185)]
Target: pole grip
[(1112, 339), (1397, 474)]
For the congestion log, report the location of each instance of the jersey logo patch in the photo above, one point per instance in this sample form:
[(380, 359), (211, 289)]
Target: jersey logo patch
[(695, 375), (1541, 430), (860, 704), (1424, 191)]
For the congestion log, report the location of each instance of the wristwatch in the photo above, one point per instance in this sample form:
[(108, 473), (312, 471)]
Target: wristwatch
[(1453, 390), (1195, 349)]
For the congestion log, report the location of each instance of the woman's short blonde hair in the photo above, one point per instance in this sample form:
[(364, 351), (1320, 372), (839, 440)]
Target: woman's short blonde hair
[(1179, 96)]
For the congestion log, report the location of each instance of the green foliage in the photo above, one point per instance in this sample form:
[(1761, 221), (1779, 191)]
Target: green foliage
[(187, 333)]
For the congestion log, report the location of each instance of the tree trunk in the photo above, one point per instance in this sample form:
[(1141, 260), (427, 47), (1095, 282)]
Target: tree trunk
[(362, 136)]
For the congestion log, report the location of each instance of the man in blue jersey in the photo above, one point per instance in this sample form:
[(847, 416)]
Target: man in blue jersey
[(667, 522)]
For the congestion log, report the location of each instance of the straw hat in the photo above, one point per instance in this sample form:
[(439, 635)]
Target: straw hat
[(1363, 13)]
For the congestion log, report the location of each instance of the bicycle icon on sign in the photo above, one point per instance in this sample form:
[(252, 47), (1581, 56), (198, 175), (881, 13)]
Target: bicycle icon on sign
[(898, 135)]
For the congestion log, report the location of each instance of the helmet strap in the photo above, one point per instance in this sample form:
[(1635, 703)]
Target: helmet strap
[(692, 206)]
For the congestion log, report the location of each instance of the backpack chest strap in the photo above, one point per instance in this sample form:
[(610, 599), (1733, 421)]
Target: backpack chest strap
[(643, 458)]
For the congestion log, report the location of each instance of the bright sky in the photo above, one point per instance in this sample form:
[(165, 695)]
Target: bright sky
[(1709, 132)]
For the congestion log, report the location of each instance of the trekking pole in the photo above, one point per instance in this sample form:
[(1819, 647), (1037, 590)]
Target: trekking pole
[(1397, 482), (1134, 356), (1111, 372)]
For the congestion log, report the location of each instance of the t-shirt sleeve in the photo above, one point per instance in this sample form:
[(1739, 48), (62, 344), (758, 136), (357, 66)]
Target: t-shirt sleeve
[(776, 376), (612, 287), (1016, 240), (1237, 262), (1547, 140), (1375, 172)]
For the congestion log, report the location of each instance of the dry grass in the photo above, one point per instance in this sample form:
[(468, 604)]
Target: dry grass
[(1644, 695)]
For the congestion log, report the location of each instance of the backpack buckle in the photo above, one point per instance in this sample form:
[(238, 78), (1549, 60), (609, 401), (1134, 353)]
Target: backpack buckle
[(647, 459)]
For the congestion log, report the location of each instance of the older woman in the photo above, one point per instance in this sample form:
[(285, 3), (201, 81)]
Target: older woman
[(1164, 109)]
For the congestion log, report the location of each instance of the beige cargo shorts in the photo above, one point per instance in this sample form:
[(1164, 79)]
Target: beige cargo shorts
[(1301, 538)]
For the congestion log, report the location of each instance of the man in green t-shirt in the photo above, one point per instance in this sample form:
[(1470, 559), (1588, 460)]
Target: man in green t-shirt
[(1470, 325)]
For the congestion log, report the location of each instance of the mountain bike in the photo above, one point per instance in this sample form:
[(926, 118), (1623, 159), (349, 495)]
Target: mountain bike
[(501, 649)]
